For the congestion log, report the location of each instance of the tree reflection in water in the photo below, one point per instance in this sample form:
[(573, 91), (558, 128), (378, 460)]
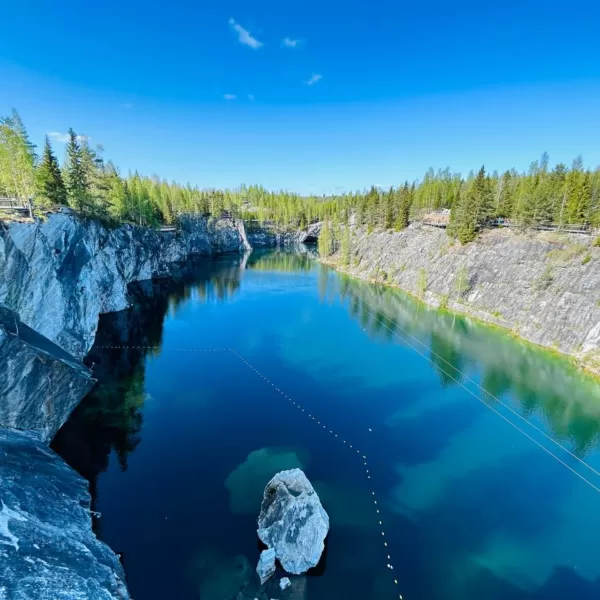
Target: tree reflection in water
[(538, 384)]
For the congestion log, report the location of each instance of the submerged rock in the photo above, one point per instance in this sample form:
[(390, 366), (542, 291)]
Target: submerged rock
[(285, 583), (247, 482), (293, 522), (266, 565)]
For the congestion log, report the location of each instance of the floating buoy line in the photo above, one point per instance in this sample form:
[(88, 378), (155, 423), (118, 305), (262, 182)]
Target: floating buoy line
[(377, 315), (322, 426), (355, 451)]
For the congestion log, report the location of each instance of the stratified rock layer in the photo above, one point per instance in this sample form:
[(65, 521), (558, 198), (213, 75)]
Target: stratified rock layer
[(542, 286), (293, 522)]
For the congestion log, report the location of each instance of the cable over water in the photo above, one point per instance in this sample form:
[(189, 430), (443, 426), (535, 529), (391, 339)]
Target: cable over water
[(459, 382)]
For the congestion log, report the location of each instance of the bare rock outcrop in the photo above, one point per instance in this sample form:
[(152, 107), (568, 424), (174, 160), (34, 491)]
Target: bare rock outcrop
[(293, 521)]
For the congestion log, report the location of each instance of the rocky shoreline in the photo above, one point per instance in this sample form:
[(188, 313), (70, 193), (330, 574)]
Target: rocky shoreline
[(542, 287), (56, 278)]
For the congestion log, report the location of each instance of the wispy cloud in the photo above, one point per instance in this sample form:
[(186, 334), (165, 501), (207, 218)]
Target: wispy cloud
[(127, 105), (289, 42), (250, 97), (63, 138), (230, 96), (244, 36), (314, 79)]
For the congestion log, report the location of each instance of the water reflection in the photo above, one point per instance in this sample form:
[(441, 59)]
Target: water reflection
[(473, 507), (282, 260), (544, 386), (110, 418)]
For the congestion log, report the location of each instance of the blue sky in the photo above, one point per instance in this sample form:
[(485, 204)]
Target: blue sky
[(359, 94)]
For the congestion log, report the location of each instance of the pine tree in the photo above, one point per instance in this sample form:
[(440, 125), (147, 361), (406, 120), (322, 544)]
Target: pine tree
[(504, 198), (474, 208), (93, 167), (388, 216), (402, 217), (77, 186), (119, 201), (346, 247), (50, 187), (324, 244)]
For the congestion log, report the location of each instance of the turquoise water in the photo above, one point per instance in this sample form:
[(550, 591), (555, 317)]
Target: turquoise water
[(178, 444)]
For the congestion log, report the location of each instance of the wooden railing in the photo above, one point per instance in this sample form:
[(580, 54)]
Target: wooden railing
[(13, 204)]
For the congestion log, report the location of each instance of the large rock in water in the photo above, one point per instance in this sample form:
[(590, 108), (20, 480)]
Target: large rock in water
[(293, 522)]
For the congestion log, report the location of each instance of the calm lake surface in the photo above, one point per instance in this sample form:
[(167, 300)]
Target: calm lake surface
[(178, 444)]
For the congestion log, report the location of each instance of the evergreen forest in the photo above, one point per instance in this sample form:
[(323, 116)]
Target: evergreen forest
[(94, 187)]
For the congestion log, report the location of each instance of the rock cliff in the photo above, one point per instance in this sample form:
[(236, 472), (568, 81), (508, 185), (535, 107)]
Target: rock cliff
[(543, 286), (40, 383), (56, 278), (268, 238), (61, 274), (47, 548)]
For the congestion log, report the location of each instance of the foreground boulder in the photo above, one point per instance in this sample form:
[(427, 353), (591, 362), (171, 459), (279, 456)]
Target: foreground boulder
[(293, 522)]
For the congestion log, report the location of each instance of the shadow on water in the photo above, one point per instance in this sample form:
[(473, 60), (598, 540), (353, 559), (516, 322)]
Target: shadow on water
[(453, 538), (110, 418)]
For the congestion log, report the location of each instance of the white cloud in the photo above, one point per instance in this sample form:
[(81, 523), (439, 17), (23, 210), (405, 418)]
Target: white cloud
[(244, 36), (59, 137), (314, 79), (289, 42), (229, 96), (127, 105), (63, 138), (250, 97)]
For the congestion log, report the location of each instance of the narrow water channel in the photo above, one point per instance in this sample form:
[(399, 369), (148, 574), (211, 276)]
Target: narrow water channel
[(179, 443)]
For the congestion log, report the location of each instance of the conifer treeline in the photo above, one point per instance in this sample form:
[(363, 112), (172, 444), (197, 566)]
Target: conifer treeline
[(95, 187)]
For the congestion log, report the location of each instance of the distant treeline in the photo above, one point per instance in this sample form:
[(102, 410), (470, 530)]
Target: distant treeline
[(95, 187)]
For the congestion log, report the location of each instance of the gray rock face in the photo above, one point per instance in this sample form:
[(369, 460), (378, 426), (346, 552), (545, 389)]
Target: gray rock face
[(40, 384), (293, 522), (266, 564), (47, 548), (56, 278), (266, 238), (542, 286), (61, 274)]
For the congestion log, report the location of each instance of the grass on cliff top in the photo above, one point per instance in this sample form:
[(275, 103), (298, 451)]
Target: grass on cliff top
[(570, 252)]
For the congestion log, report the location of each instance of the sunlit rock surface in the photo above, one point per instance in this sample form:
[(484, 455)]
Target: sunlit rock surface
[(40, 383), (266, 564), (542, 286), (56, 277), (47, 548), (61, 274), (293, 521)]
